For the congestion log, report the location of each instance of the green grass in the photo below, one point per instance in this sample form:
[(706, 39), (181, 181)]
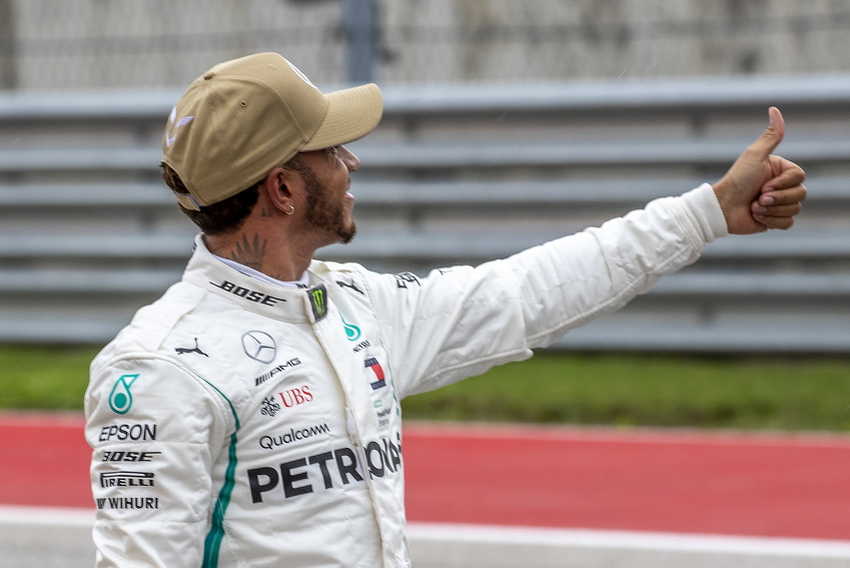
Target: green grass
[(52, 378), (635, 390), (630, 390)]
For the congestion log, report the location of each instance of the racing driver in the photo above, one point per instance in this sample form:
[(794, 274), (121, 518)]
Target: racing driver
[(251, 416)]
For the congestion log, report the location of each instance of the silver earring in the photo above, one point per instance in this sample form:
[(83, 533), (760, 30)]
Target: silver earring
[(291, 210)]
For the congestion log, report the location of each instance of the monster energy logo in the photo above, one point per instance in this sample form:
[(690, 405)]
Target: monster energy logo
[(120, 399), (318, 300)]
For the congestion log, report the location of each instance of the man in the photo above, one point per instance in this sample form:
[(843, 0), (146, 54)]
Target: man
[(251, 416)]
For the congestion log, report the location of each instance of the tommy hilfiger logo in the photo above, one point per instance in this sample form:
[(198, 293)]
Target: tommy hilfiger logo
[(372, 363)]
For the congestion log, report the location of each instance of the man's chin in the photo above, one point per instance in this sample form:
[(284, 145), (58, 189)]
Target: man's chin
[(347, 235)]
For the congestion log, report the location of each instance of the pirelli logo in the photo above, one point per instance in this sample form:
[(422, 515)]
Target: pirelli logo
[(127, 479)]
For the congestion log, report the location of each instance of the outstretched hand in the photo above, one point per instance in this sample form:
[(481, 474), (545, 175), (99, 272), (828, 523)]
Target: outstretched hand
[(762, 191)]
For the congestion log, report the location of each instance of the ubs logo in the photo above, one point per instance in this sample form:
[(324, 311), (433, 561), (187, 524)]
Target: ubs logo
[(296, 396), (259, 346)]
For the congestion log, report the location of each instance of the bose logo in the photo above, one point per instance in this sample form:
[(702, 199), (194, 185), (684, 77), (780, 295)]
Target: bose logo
[(248, 294)]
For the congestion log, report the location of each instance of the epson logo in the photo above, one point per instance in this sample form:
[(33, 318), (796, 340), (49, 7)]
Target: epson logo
[(133, 432), (126, 479), (248, 294)]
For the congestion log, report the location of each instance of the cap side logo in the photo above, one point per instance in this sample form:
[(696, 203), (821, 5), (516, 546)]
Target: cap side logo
[(172, 126), (302, 75)]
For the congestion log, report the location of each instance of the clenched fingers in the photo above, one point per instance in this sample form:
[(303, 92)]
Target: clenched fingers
[(776, 209), (771, 197), (775, 222)]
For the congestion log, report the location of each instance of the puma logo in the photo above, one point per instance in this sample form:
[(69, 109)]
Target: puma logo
[(352, 286), (195, 349)]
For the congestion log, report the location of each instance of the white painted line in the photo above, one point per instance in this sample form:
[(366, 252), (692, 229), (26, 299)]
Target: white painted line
[(634, 540), (48, 516), (519, 536)]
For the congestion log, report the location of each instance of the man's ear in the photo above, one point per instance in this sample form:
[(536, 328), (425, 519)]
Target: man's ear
[(278, 186)]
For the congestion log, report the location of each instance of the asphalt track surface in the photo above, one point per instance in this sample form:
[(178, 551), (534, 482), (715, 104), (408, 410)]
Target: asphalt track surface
[(583, 496)]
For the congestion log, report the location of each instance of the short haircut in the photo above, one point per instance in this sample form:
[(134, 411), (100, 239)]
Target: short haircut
[(223, 217)]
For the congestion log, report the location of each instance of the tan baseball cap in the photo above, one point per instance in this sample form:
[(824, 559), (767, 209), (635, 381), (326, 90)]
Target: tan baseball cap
[(246, 116)]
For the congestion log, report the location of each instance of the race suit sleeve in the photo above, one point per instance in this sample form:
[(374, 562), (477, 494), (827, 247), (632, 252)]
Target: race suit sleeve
[(156, 431), (570, 282), (459, 322)]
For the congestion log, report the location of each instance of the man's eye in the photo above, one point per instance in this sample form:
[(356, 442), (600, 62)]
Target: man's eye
[(333, 151)]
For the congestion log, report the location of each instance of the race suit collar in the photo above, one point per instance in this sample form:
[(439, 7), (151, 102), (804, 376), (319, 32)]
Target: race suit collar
[(303, 282), (264, 298)]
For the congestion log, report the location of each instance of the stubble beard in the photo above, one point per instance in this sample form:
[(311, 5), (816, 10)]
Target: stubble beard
[(322, 211), (326, 213)]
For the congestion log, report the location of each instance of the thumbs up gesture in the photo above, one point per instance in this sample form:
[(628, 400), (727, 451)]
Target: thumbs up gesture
[(762, 191)]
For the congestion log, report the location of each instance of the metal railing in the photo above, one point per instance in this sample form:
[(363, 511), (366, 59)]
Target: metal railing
[(452, 175)]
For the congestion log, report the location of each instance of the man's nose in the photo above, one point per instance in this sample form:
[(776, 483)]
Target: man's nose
[(349, 159)]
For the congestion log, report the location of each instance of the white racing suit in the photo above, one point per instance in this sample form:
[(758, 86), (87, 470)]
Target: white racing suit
[(239, 423)]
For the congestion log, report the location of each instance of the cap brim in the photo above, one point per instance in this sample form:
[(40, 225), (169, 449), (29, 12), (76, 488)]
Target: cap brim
[(352, 114)]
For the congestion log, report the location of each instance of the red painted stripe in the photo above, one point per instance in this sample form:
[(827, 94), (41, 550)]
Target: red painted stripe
[(745, 484), (648, 480), (44, 460)]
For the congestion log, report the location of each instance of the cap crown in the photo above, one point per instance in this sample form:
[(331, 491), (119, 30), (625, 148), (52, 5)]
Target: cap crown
[(238, 121)]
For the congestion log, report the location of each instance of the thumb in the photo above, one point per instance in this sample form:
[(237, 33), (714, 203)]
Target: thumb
[(772, 136)]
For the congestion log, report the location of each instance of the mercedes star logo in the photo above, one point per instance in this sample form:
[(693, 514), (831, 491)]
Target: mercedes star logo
[(259, 346)]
